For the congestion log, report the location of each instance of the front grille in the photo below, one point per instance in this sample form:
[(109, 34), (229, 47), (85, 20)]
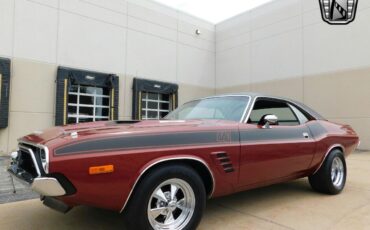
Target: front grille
[(26, 163)]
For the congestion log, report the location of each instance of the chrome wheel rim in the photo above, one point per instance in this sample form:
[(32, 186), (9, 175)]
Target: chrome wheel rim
[(337, 172), (171, 205)]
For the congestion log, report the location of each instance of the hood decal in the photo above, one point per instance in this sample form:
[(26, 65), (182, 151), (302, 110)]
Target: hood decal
[(148, 141)]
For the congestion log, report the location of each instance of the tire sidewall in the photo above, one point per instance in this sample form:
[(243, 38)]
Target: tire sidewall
[(328, 164), (137, 209)]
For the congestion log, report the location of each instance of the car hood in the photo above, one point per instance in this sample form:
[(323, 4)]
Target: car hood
[(114, 128)]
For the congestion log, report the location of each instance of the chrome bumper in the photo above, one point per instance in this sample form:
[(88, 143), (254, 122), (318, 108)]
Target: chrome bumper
[(46, 186)]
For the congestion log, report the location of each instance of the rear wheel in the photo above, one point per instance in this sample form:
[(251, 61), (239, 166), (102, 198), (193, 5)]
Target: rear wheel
[(331, 177), (171, 197)]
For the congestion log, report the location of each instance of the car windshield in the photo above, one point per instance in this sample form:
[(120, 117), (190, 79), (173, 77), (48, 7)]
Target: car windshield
[(221, 108)]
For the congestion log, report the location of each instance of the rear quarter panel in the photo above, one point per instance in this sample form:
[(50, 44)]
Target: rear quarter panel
[(328, 136)]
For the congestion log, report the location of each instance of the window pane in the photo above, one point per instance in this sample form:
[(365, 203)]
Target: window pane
[(72, 120), (102, 101), (163, 114), (83, 119), (280, 109), (302, 118), (226, 108), (102, 112), (153, 96), (73, 88), (101, 119), (106, 91), (153, 105), (152, 115), (85, 111), (87, 89), (87, 100), (83, 100), (72, 99), (72, 110), (164, 97), (164, 106)]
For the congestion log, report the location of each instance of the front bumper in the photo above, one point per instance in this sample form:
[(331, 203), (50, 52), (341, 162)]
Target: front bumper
[(45, 186)]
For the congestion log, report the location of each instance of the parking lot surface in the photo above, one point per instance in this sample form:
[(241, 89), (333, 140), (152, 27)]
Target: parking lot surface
[(290, 205)]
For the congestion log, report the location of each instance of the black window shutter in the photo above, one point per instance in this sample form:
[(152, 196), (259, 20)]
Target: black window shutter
[(143, 85), (61, 97), (5, 91)]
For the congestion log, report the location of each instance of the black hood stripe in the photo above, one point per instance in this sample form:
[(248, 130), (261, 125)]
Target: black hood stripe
[(160, 140), (189, 138)]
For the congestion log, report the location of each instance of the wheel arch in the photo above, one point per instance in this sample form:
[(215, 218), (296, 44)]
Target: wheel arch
[(330, 149), (199, 165)]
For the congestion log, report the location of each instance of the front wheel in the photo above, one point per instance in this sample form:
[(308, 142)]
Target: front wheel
[(171, 197), (331, 177)]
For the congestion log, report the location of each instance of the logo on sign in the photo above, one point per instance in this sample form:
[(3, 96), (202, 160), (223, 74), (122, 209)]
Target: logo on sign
[(338, 12)]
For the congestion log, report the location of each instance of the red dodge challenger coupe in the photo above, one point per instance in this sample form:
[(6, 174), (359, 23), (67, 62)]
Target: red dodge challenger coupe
[(159, 173)]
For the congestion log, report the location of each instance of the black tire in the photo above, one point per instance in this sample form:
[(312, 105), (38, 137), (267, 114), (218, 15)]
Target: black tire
[(136, 213), (322, 180)]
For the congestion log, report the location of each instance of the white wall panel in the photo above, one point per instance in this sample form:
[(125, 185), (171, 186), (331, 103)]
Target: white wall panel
[(275, 11), (150, 28), (233, 42), (155, 6), (278, 57), (196, 21), (6, 27), (151, 57), (91, 44), (234, 67), (156, 17), (88, 9), (114, 5), (334, 48), (190, 29), (196, 67), (196, 42), (52, 3), (310, 5), (35, 34), (233, 27), (280, 27)]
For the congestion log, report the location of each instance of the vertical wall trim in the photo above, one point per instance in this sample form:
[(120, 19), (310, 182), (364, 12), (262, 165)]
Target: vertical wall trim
[(65, 102), (112, 105)]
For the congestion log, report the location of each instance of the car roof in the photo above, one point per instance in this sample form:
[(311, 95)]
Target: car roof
[(254, 95)]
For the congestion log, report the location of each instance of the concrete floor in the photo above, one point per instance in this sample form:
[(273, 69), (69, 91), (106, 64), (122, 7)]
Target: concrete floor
[(286, 206)]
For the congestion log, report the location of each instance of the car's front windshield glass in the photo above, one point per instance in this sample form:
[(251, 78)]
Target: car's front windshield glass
[(221, 108)]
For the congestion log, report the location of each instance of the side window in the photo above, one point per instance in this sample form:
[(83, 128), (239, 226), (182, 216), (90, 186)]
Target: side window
[(301, 117), (281, 109)]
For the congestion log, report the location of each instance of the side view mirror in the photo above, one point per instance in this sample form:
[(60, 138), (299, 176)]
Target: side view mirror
[(270, 120)]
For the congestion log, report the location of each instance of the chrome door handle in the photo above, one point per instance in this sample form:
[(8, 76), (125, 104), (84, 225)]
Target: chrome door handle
[(305, 135)]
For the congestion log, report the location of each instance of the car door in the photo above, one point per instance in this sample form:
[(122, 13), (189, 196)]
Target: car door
[(277, 152)]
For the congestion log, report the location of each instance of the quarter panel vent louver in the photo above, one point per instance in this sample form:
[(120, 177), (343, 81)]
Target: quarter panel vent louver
[(225, 162)]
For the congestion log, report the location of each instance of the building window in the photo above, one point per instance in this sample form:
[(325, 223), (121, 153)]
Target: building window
[(153, 99), (4, 91), (85, 96), (155, 105), (87, 104)]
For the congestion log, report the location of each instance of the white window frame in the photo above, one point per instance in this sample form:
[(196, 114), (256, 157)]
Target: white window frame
[(145, 108), (94, 106)]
